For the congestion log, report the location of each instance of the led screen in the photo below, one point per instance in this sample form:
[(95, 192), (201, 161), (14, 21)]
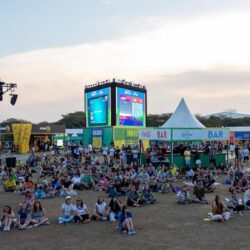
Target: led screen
[(130, 109), (98, 107)]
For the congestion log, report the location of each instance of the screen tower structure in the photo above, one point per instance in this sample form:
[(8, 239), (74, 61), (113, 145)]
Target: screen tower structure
[(115, 103)]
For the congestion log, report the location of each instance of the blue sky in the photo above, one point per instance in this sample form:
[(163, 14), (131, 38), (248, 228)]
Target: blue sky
[(196, 49), (37, 24)]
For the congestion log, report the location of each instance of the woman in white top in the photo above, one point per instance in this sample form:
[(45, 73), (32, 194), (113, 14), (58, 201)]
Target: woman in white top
[(67, 211), (101, 211), (81, 213)]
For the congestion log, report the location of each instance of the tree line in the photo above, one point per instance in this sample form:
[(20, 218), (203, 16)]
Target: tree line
[(78, 120)]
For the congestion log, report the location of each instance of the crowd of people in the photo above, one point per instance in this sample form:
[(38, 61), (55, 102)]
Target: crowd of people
[(116, 172)]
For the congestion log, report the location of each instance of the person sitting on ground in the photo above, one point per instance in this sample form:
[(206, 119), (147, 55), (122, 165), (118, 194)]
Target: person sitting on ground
[(81, 213), (133, 198), (67, 187), (7, 219), (28, 185), (112, 191), (183, 196), (10, 183), (148, 195), (247, 196), (220, 212), (236, 204), (23, 216), (54, 187), (76, 180), (144, 176), (67, 211), (125, 221), (115, 208), (199, 193), (189, 174), (38, 215), (102, 184), (207, 184), (29, 200), (87, 180), (101, 211)]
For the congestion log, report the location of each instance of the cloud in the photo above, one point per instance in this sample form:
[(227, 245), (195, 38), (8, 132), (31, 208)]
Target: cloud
[(204, 59)]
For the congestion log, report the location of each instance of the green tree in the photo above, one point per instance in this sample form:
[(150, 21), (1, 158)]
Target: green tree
[(10, 121), (73, 120)]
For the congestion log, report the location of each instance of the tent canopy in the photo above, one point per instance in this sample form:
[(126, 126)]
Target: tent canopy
[(182, 118)]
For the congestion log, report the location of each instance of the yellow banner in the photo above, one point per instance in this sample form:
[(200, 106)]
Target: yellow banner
[(97, 142), (16, 134), (22, 133)]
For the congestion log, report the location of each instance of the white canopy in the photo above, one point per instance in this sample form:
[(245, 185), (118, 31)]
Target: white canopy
[(182, 118)]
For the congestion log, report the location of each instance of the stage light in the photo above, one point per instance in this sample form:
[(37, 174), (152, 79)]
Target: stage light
[(13, 99)]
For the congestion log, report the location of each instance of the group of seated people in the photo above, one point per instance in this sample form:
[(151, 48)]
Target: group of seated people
[(32, 214), (27, 216), (60, 176)]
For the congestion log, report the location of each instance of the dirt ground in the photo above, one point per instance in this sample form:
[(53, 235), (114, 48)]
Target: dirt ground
[(164, 225)]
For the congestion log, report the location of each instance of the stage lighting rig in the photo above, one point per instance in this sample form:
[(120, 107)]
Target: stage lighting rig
[(5, 87)]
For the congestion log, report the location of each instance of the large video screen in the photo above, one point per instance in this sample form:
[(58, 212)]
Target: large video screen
[(98, 108), (130, 108)]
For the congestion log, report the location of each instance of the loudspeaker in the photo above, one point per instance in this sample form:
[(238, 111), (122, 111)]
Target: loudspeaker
[(11, 162), (13, 99)]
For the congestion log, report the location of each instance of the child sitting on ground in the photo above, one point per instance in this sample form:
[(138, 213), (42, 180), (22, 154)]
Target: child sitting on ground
[(183, 196), (23, 216), (81, 213), (7, 218), (101, 211), (38, 215), (125, 221), (67, 211)]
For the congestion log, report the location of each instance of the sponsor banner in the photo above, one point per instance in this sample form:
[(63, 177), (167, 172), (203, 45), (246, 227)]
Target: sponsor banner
[(21, 133), (155, 134), (200, 134), (242, 135)]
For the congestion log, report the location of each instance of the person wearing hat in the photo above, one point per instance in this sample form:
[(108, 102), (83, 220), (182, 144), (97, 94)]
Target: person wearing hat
[(67, 211)]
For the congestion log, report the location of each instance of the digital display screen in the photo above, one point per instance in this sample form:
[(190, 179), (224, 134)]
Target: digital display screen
[(98, 108), (130, 109)]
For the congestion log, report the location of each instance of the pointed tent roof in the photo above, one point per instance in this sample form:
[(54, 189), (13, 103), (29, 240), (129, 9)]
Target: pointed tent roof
[(182, 118)]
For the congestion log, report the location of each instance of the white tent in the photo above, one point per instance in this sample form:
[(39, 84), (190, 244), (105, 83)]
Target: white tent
[(182, 118)]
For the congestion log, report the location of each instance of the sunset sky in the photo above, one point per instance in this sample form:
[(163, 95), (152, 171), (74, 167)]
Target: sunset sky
[(196, 49)]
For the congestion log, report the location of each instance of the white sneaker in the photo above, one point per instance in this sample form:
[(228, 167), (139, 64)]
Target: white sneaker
[(5, 228), (8, 228)]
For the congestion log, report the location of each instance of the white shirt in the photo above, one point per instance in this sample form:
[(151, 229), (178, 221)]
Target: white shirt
[(105, 151), (247, 196), (101, 207), (111, 151), (90, 147), (80, 210), (67, 209), (245, 152), (76, 179)]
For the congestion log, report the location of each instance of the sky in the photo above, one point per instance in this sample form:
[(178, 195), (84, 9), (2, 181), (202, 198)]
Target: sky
[(196, 49)]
